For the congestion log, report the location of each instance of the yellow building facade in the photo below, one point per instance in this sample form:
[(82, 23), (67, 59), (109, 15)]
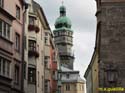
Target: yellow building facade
[(71, 81), (91, 75), (77, 87)]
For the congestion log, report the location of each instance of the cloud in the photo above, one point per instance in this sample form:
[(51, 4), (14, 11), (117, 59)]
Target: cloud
[(82, 15)]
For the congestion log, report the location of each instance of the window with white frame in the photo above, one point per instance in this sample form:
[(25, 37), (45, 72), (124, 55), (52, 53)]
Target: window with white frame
[(5, 29), (4, 67)]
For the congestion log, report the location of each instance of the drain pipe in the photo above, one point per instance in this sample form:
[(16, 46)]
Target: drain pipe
[(23, 33)]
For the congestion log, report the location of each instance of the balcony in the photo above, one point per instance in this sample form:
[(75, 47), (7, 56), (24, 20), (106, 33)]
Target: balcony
[(6, 45), (32, 53), (32, 28)]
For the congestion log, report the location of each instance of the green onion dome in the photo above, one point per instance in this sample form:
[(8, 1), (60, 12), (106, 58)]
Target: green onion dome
[(63, 20)]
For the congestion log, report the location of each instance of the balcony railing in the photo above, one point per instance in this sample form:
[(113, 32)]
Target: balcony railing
[(67, 53), (33, 28), (32, 53)]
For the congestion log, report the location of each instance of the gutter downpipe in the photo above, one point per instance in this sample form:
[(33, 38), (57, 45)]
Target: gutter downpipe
[(25, 6)]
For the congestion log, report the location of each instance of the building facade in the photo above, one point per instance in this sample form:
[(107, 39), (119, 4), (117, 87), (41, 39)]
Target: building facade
[(50, 64), (35, 25), (110, 45), (91, 75), (111, 27), (11, 24), (40, 52), (71, 81)]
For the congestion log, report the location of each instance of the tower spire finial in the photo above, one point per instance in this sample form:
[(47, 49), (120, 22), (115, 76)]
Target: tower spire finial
[(62, 2)]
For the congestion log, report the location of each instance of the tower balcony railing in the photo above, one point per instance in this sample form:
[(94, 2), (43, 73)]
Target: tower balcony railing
[(67, 53)]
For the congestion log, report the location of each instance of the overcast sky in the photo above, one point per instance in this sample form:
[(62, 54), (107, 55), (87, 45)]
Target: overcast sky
[(82, 15)]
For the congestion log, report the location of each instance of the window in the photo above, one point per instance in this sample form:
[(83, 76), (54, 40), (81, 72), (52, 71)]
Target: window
[(67, 76), (98, 3), (4, 67), (38, 79), (17, 12), (8, 31), (32, 45), (4, 33), (46, 61), (47, 86), (1, 27), (68, 87), (4, 29), (16, 76), (31, 75), (42, 83), (46, 40), (25, 66), (25, 42), (1, 3), (46, 34), (54, 57), (17, 42), (31, 20)]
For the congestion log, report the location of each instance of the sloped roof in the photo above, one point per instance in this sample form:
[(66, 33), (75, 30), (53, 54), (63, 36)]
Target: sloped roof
[(74, 75)]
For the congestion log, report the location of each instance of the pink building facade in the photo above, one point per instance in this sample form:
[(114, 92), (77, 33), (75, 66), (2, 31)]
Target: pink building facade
[(11, 27)]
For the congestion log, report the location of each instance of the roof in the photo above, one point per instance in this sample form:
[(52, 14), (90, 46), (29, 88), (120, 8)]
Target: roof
[(37, 6), (63, 19), (74, 75), (64, 69)]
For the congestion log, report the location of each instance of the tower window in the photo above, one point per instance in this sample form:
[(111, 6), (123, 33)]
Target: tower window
[(67, 87), (67, 76)]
